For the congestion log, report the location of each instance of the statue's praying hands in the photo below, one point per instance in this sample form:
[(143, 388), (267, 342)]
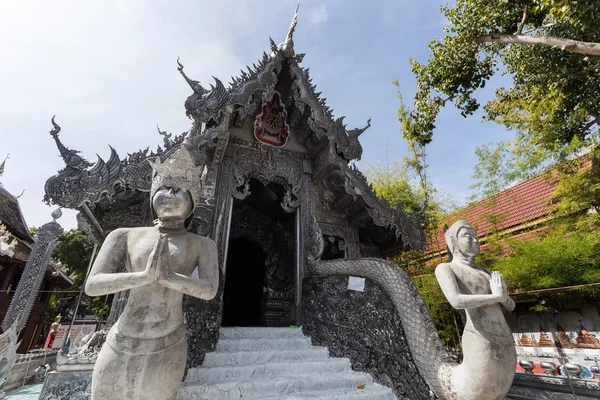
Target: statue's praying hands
[(498, 287)]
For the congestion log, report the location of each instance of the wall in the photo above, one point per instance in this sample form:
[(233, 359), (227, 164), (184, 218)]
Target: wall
[(25, 367), (550, 337)]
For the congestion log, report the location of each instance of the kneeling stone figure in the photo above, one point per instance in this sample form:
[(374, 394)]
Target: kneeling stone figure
[(145, 352)]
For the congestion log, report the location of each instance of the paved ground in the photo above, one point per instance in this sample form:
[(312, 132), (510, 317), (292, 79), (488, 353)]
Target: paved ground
[(30, 392)]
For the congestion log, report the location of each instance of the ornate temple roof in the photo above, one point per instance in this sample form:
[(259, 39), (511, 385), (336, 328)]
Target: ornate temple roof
[(81, 181), (11, 216), (215, 110)]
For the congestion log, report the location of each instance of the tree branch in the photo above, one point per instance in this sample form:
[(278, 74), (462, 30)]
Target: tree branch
[(588, 125), (590, 69), (594, 121), (539, 27), (572, 46), (586, 71), (520, 30)]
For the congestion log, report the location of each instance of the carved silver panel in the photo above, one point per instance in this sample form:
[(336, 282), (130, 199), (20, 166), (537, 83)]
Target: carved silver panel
[(33, 274), (267, 167)]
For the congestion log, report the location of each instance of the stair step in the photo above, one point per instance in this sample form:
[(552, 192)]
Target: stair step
[(240, 358), (372, 392), (277, 388), (213, 375), (259, 333), (263, 344)]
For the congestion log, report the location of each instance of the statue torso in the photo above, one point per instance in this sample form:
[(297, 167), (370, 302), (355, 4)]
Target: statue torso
[(486, 320), (153, 310)]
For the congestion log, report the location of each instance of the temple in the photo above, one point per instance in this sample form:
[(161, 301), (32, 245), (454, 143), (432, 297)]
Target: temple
[(278, 169), (280, 194)]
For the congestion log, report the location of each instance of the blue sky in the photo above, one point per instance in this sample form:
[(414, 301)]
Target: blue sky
[(108, 71)]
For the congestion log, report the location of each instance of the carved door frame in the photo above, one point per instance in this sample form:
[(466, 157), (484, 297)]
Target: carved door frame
[(247, 160)]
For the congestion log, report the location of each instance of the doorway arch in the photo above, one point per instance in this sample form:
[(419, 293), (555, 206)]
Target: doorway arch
[(259, 272)]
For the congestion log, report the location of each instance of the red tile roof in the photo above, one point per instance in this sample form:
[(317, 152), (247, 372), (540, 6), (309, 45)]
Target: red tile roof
[(523, 203)]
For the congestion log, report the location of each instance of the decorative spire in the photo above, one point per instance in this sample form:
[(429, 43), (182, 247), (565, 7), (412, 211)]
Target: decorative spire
[(526, 341), (355, 133), (563, 338), (195, 85), (71, 157), (2, 167), (287, 47), (544, 339), (290, 34), (167, 141), (587, 340)]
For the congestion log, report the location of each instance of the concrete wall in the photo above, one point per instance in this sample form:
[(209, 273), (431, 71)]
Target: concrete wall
[(25, 366), (540, 387)]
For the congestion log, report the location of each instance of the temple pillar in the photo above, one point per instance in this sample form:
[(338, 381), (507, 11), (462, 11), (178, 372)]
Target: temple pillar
[(305, 216)]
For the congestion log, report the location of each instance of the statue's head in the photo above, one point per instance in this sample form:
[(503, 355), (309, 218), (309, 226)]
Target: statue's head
[(462, 239), (176, 186), (172, 203)]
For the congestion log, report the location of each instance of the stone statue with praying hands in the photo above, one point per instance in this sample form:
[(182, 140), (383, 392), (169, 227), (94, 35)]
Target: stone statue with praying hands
[(490, 358), (145, 351)]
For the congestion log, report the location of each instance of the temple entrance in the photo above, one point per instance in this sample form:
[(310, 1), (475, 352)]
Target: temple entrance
[(260, 269), (244, 284)]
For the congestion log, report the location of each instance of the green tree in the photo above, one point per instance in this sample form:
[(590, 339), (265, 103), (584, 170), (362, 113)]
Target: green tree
[(73, 251), (551, 50), (391, 181), (565, 253), (398, 182)]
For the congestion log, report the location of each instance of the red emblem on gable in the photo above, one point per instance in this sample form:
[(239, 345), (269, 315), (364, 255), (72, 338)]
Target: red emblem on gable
[(270, 126)]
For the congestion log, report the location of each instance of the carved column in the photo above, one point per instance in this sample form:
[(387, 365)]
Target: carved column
[(33, 274), (203, 318), (20, 307), (305, 221), (222, 210), (353, 249)]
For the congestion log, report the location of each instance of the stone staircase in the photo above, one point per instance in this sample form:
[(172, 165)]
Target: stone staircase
[(276, 363)]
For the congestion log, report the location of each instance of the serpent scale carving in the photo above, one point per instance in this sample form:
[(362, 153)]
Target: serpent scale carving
[(432, 360)]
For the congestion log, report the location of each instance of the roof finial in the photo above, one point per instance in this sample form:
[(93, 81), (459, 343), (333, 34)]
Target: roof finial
[(71, 158), (195, 85), (3, 165), (287, 47)]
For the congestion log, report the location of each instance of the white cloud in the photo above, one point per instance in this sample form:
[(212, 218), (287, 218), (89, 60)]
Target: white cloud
[(318, 15)]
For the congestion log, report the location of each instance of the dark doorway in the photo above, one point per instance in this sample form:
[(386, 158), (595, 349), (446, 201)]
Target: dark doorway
[(335, 248), (260, 267), (244, 284)]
